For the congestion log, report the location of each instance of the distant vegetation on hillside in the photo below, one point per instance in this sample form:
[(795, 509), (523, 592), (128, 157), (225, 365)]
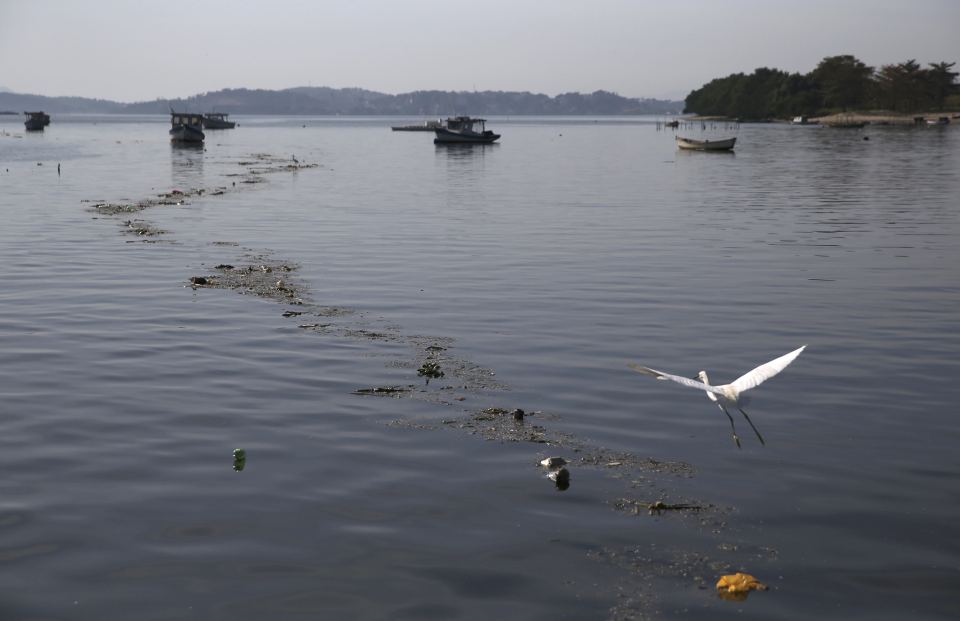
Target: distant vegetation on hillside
[(323, 100), (837, 84)]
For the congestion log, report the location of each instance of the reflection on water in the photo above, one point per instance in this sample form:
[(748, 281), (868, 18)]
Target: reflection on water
[(186, 163)]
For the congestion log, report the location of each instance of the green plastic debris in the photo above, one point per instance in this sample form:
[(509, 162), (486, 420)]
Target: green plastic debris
[(239, 459)]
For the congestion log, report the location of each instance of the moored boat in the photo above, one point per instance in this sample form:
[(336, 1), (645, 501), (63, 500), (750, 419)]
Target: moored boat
[(36, 121), (464, 130), (186, 127), (725, 144), (426, 126), (217, 120)]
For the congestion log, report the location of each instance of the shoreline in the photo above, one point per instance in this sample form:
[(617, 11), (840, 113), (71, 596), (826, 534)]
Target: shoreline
[(841, 118)]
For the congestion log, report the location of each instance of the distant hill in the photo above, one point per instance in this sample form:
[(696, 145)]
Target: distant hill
[(19, 103), (357, 101)]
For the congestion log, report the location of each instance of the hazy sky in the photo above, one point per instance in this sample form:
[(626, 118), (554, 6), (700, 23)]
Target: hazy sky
[(134, 51)]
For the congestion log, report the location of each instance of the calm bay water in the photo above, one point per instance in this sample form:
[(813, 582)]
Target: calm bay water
[(545, 263)]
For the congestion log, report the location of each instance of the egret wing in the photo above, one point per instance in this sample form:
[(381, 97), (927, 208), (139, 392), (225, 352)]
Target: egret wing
[(765, 371), (686, 381)]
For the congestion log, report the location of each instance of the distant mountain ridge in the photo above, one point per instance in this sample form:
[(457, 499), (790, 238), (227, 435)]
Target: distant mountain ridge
[(356, 101)]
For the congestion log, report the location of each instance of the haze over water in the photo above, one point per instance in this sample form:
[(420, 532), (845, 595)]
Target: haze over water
[(542, 266)]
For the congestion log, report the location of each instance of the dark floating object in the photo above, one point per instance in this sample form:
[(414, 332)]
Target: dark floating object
[(561, 477), (393, 391), (658, 507), (239, 459), (518, 414), (430, 369), (198, 280)]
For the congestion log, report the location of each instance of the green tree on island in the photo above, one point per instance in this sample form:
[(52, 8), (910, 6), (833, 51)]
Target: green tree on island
[(843, 80), (942, 82), (838, 83)]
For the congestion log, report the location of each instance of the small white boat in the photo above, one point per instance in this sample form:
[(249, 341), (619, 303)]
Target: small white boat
[(186, 127), (725, 144), (464, 130)]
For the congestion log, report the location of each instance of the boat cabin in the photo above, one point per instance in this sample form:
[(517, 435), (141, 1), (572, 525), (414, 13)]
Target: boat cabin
[(185, 118), (36, 120), (466, 123)]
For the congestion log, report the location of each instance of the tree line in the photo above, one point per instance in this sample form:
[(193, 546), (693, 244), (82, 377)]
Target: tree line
[(837, 84)]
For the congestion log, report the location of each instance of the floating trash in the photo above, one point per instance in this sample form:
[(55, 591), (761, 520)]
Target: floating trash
[(430, 369), (239, 459), (736, 587), (392, 391), (561, 477), (553, 462)]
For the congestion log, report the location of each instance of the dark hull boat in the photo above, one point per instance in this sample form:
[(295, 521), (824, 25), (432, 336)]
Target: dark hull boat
[(217, 120), (186, 128), (464, 130), (36, 121)]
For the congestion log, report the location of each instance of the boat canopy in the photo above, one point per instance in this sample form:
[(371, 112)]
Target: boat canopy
[(465, 123), (185, 118)]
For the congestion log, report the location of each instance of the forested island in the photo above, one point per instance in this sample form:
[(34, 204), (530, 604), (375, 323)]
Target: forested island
[(321, 100), (837, 84)]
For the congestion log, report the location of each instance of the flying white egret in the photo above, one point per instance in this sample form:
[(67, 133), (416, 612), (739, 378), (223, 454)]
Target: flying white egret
[(729, 394)]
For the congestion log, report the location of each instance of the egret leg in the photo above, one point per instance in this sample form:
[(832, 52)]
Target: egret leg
[(732, 426), (751, 425)]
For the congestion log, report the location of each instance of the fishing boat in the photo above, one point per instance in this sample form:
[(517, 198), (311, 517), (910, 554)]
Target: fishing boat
[(464, 130), (36, 121), (186, 127), (725, 144), (426, 126), (217, 120)]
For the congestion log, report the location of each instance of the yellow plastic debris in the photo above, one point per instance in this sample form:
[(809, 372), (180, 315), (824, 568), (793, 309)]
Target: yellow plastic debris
[(737, 586)]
